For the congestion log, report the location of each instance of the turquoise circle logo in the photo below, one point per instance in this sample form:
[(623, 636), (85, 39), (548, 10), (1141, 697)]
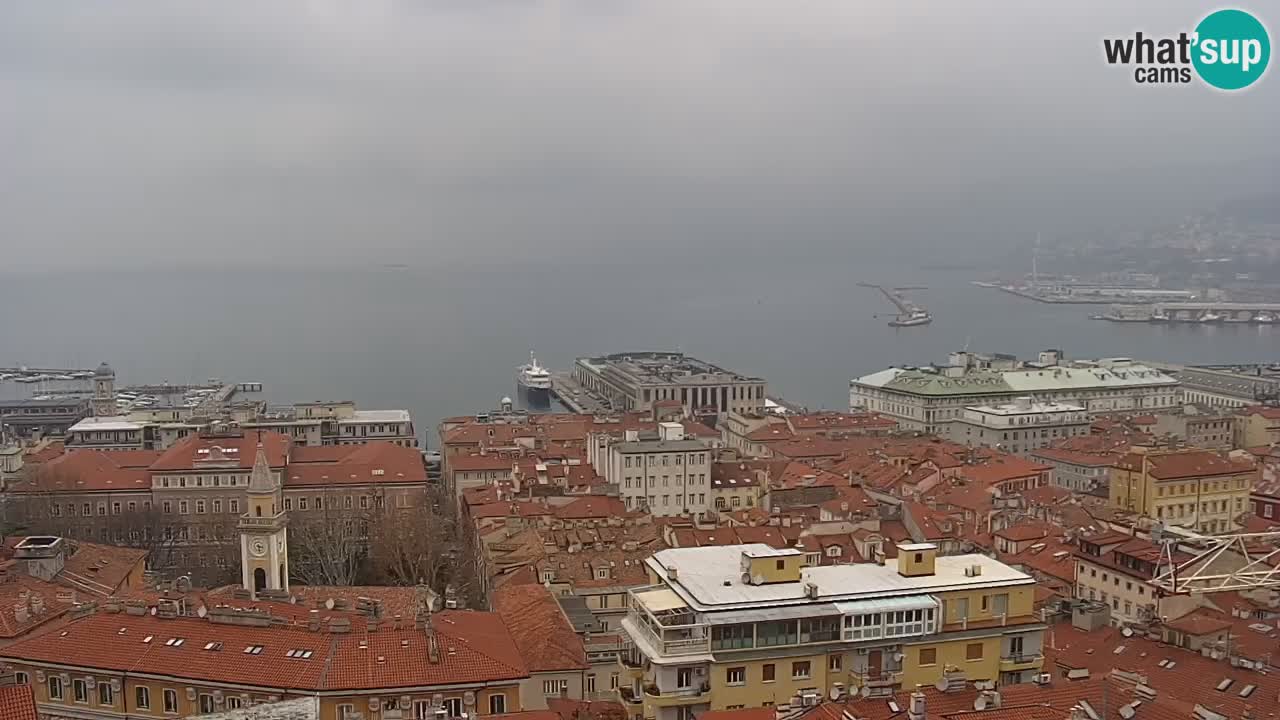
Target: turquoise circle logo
[(1231, 49)]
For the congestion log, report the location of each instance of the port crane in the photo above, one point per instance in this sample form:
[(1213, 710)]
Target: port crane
[(1219, 563), (909, 314)]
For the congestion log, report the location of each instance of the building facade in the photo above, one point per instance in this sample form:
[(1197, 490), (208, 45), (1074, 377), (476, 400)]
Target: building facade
[(736, 626), (925, 399), (1189, 487), (1019, 427), (670, 475), (635, 381)]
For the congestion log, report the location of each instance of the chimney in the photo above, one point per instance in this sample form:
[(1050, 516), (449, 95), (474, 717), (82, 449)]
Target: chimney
[(915, 711)]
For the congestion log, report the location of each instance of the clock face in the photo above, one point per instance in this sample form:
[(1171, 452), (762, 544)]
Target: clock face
[(258, 547)]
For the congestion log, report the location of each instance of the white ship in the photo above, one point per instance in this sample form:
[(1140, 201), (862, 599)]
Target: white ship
[(1159, 316), (1264, 317), (534, 382), (1210, 316)]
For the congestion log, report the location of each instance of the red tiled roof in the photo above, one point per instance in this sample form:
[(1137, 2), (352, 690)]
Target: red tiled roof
[(242, 449), (95, 470), (539, 628), (1189, 463), (472, 647), (594, 506), (569, 709), (370, 463), (1025, 531), (487, 461), (754, 713), (1002, 468), (17, 702)]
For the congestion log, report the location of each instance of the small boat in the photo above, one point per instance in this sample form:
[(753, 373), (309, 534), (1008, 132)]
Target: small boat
[(914, 318), (534, 382), (1159, 316), (1264, 318), (30, 379), (1209, 316)]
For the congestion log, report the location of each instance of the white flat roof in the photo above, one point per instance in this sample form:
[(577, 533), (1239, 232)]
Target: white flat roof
[(108, 422), (1035, 408), (377, 416), (709, 578)]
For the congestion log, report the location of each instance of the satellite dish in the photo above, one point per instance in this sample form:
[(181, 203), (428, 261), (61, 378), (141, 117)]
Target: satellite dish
[(758, 579), (182, 584), (328, 604), (980, 703), (941, 684), (153, 611), (746, 578), (202, 611)]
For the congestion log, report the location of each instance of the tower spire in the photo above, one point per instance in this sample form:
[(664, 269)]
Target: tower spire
[(260, 480)]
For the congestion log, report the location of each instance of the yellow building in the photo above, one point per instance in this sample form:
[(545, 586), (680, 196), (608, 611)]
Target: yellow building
[(725, 627), (1257, 426), (1188, 487)]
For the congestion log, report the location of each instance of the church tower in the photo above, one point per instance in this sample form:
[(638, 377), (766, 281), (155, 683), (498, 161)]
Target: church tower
[(104, 391), (264, 538)]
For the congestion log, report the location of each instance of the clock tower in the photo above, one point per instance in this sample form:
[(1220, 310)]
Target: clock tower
[(264, 533)]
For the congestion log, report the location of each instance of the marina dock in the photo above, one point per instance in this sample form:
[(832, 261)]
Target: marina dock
[(577, 398)]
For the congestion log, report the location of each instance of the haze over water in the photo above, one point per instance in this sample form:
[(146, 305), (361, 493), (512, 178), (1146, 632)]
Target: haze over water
[(191, 189)]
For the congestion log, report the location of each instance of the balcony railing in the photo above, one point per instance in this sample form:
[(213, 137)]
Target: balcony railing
[(628, 695), (676, 640), (1020, 658), (882, 677)]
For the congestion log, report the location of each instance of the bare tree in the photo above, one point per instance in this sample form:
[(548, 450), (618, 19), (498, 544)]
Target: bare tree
[(328, 546)]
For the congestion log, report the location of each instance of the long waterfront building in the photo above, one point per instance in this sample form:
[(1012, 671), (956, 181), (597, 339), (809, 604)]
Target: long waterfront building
[(927, 398)]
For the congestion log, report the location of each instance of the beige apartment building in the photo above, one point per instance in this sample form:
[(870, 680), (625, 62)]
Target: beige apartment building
[(635, 381), (1193, 488), (668, 475)]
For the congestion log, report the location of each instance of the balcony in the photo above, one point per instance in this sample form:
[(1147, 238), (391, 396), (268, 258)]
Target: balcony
[(670, 629), (698, 694), (629, 696), (883, 678), (1020, 661)]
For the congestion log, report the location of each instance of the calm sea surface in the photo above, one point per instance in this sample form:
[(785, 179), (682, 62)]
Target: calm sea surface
[(447, 342)]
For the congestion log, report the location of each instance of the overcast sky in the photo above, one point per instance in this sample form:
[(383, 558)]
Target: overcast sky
[(464, 131)]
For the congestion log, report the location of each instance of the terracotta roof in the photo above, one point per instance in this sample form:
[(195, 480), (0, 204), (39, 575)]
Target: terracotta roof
[(569, 709), (1002, 468), (17, 702), (1188, 463), (487, 461), (594, 507), (1200, 621), (839, 421), (773, 432), (1033, 530), (94, 470), (540, 629), (472, 647), (1266, 411), (1076, 457), (370, 463), (18, 588), (98, 569), (238, 450), (1193, 679)]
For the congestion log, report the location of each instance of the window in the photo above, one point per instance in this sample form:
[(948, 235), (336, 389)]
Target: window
[(115, 508), (200, 506), (21, 678), (142, 698), (973, 651), (782, 564), (498, 702), (735, 676), (591, 682), (613, 681), (171, 701), (731, 637), (928, 656), (820, 629), (105, 695), (182, 507), (347, 711), (835, 662), (80, 690), (800, 669), (302, 503), (554, 687), (55, 688), (684, 678), (168, 506), (767, 672), (233, 702), (777, 632), (959, 609), (453, 706)]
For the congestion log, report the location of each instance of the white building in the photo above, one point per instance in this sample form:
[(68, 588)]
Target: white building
[(670, 475), (1018, 427), (928, 398)]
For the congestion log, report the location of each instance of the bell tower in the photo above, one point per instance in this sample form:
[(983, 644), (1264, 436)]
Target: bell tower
[(264, 534), (104, 391)]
